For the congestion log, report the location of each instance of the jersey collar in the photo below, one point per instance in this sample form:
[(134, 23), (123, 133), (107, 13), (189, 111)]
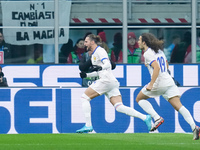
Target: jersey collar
[(95, 50)]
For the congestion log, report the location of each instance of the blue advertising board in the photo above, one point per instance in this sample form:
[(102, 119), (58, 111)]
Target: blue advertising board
[(46, 99), (58, 110), (128, 75)]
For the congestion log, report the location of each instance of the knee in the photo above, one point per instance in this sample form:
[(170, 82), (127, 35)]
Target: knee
[(175, 102), (84, 97)]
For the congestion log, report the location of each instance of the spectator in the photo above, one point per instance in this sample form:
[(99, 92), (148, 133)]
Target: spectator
[(6, 48), (134, 52), (37, 59), (3, 80), (66, 49), (179, 51), (198, 55), (103, 38), (116, 51), (188, 54), (78, 51), (198, 49), (175, 40)]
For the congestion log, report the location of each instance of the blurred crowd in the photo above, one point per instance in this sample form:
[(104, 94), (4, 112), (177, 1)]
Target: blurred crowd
[(179, 51), (73, 54)]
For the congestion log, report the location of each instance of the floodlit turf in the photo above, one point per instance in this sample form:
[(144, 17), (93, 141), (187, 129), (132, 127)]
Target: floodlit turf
[(115, 141)]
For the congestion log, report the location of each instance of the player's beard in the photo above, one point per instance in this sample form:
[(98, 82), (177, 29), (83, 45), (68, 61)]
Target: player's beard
[(88, 48)]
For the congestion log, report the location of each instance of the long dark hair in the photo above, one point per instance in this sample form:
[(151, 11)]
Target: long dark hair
[(75, 46), (152, 42)]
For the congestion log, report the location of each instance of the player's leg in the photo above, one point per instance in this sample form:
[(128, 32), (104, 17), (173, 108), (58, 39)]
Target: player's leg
[(85, 99), (176, 103), (120, 107), (147, 107), (95, 89)]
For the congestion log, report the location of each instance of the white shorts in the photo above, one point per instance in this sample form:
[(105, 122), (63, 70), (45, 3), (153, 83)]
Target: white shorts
[(167, 92), (109, 88)]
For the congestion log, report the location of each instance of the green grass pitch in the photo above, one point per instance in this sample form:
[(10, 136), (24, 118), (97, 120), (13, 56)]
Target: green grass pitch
[(100, 141)]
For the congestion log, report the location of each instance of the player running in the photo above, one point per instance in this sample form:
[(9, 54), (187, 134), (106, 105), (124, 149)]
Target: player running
[(106, 84), (161, 83)]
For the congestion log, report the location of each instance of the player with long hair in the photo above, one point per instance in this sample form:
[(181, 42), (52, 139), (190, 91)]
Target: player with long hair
[(161, 83)]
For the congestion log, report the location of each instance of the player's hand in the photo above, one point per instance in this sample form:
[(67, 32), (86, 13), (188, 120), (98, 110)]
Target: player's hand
[(83, 75), (149, 87), (96, 68)]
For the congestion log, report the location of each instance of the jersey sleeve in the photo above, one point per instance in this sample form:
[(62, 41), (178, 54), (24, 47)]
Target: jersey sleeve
[(149, 58), (102, 54)]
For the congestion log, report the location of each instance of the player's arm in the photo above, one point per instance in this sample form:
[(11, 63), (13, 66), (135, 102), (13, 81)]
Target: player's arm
[(156, 70), (103, 56), (106, 64), (94, 73), (167, 64)]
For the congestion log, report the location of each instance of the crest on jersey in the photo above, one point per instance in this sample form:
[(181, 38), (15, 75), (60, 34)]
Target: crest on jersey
[(94, 58)]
